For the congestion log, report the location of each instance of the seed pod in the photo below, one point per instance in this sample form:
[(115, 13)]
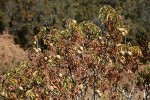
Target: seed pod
[(126, 32), (123, 33), (34, 42), (4, 94), (49, 61), (44, 28), (36, 50), (79, 52), (60, 75), (39, 49), (21, 88), (122, 53), (80, 86), (98, 92), (129, 53), (118, 45), (45, 58), (51, 44), (81, 48), (37, 95), (58, 57), (74, 21), (100, 38), (121, 29), (46, 92)]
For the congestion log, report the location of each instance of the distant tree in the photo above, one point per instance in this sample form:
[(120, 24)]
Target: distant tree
[(3, 17)]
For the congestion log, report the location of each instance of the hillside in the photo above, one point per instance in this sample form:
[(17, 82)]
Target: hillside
[(10, 53)]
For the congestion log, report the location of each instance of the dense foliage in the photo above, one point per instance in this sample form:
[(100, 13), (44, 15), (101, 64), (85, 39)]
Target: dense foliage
[(80, 62)]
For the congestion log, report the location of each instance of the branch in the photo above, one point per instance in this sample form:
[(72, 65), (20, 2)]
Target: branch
[(94, 85), (129, 97), (146, 92)]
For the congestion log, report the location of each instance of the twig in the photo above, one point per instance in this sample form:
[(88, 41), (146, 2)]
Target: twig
[(70, 72), (129, 97), (94, 85), (146, 92)]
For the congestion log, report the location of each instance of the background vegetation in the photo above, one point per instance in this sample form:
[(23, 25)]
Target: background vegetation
[(23, 17)]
